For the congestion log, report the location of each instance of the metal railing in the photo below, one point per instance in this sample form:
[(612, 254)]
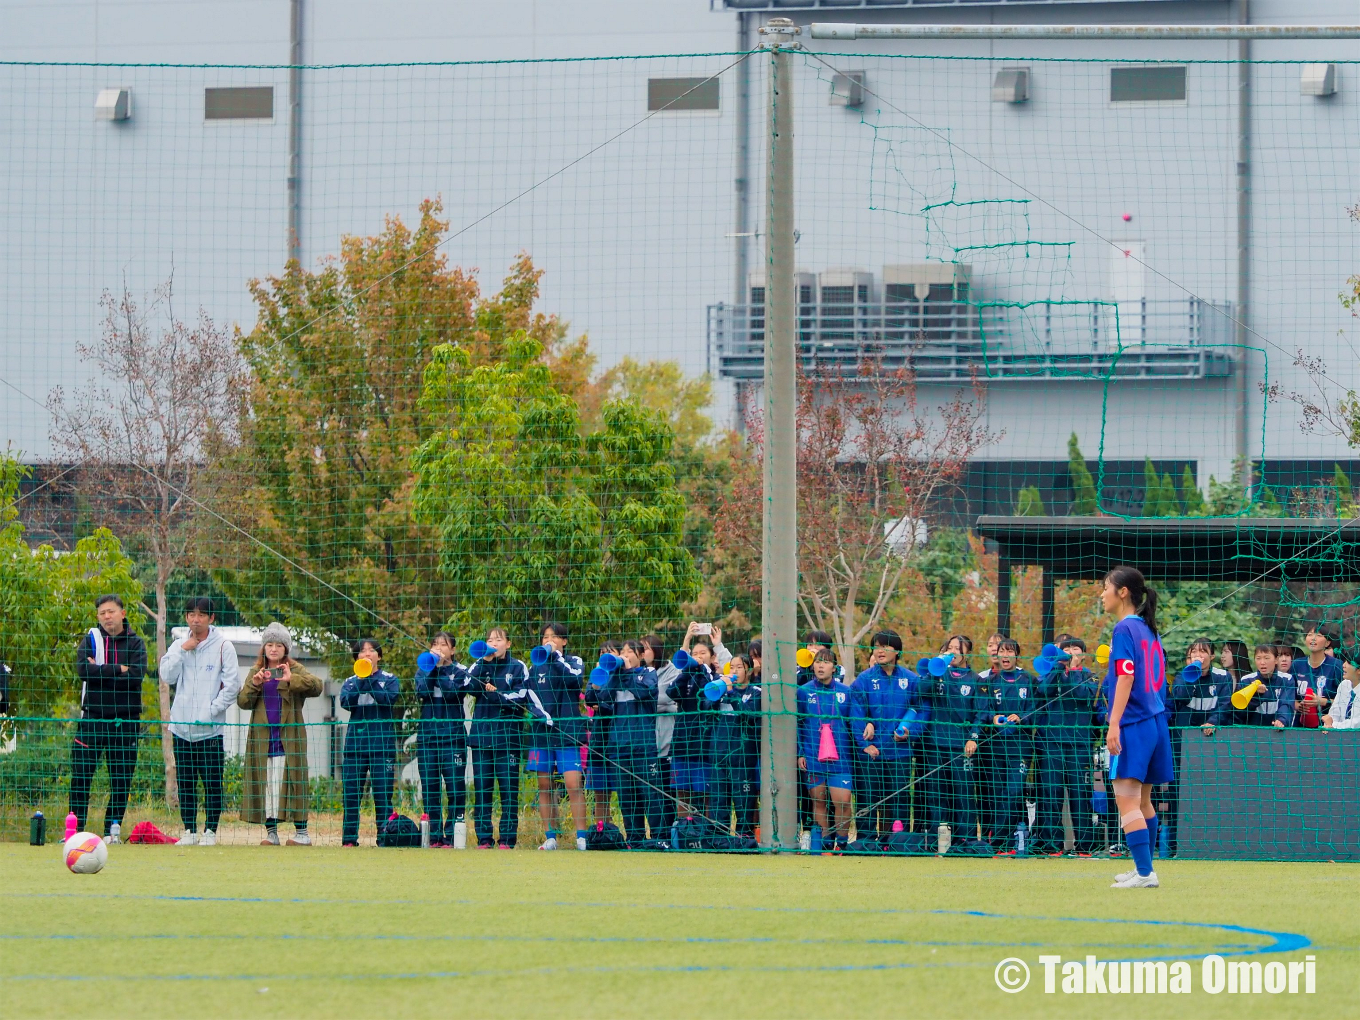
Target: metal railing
[(957, 341)]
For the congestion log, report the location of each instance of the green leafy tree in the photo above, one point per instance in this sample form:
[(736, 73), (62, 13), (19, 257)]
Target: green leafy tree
[(1084, 499), (1029, 503), (1191, 497), (47, 602), (536, 521), (1345, 497), (321, 481)]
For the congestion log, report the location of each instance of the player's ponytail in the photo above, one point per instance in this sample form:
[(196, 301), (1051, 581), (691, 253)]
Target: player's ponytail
[(1144, 598)]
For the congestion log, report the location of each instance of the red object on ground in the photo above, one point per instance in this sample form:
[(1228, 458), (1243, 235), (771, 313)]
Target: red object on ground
[(146, 832)]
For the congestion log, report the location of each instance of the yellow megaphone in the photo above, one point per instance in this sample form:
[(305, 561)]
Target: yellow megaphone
[(1241, 699), (362, 668), (804, 658), (1103, 655), (727, 668)]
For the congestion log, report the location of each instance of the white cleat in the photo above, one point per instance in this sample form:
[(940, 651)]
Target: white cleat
[(1124, 876), (549, 844), (209, 838), (1137, 881)]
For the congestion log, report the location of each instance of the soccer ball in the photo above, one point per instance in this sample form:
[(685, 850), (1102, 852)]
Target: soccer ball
[(85, 853)]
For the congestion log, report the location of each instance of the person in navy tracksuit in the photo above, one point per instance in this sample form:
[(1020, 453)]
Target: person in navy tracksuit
[(880, 698), (441, 748), (1272, 704), (497, 682), (370, 739), (557, 678), (1009, 744), (1064, 749), (825, 746), (628, 697), (1194, 704), (956, 708), (734, 735), (690, 765), (1317, 676), (598, 775)]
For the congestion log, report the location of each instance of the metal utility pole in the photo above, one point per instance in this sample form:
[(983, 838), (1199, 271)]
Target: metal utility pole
[(1240, 325), (295, 130), (779, 603)]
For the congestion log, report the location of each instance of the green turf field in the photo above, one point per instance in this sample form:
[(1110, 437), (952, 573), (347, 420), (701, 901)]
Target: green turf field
[(251, 931)]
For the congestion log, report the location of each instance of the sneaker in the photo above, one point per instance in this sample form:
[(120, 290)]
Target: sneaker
[(300, 839), (549, 844), (486, 846), (1137, 881), (115, 835), (271, 838), (188, 839), (209, 838), (349, 844), (580, 842), (1124, 876), (504, 846)]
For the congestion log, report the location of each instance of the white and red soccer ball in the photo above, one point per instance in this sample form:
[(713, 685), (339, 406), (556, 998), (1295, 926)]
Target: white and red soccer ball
[(85, 854)]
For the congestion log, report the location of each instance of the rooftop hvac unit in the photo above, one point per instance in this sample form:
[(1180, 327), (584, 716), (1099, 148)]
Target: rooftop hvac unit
[(928, 301), (804, 281), (843, 296), (1318, 80)]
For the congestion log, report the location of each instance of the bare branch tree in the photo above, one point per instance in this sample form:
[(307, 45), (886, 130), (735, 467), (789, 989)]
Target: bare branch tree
[(163, 394)]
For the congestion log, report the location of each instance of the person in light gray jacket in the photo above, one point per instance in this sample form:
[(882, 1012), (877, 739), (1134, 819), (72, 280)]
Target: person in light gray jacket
[(202, 671)]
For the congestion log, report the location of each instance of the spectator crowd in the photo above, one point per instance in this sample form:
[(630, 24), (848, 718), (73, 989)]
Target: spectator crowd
[(932, 757)]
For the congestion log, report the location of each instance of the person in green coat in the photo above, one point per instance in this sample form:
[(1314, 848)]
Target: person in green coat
[(275, 779)]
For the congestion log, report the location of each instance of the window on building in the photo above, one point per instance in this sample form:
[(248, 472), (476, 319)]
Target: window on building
[(1158, 84), (252, 103), (682, 93)]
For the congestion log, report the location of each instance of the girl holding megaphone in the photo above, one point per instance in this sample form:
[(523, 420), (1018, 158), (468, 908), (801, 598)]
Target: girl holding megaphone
[(496, 680)]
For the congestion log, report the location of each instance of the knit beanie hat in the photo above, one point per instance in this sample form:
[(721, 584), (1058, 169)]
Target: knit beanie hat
[(277, 632)]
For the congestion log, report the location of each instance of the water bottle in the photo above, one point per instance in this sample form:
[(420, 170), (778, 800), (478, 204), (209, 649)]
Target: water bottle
[(805, 840), (37, 830), (944, 839), (460, 835), (675, 835), (72, 823), (424, 831), (1020, 839), (815, 840)]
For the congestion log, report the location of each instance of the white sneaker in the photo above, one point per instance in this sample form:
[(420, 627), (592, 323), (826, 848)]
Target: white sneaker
[(300, 839), (580, 842), (188, 839), (1137, 881), (209, 838), (1124, 876), (271, 838), (115, 835), (549, 844)]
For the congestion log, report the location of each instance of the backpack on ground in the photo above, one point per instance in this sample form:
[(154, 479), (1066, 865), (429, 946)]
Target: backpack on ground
[(399, 831)]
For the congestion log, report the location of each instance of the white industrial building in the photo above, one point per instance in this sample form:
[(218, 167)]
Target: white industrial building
[(152, 138)]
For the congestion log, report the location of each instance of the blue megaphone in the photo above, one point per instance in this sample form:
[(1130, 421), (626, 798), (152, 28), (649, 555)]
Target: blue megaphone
[(538, 655), (599, 677), (1053, 653), (1000, 720), (427, 661), (610, 662), (922, 666), (479, 649), (715, 689), (904, 727), (681, 659), (1192, 672), (939, 664), (1043, 665)]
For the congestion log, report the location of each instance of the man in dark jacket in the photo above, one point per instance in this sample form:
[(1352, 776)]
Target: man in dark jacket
[(110, 663)]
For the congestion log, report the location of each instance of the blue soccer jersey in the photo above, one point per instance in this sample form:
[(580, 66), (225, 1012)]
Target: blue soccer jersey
[(1136, 651)]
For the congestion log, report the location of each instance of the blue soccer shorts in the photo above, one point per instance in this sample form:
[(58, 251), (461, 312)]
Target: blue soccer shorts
[(1145, 752)]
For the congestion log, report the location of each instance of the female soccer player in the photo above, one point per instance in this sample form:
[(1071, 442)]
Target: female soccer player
[(1138, 739)]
